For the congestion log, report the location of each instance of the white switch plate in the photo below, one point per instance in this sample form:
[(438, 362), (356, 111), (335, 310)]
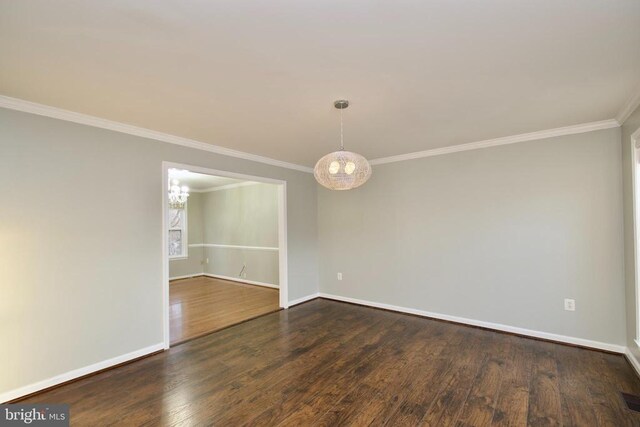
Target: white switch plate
[(339, 276), (569, 304)]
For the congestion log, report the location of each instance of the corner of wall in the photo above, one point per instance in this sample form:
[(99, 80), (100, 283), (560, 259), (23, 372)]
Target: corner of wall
[(630, 125)]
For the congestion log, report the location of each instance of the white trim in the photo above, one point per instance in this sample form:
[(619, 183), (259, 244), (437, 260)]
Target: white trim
[(225, 187), (532, 136), (241, 280), (70, 116), (223, 173), (632, 360), (282, 233), (165, 259), (303, 299), (57, 113), (489, 325), (186, 276), (85, 119), (76, 373), (283, 262), (216, 245), (629, 107), (635, 153)]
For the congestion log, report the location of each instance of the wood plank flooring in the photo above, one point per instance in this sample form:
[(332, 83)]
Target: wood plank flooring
[(203, 304), (328, 363)]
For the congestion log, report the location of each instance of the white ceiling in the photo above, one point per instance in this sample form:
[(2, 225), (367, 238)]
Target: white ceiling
[(261, 76), (199, 181)]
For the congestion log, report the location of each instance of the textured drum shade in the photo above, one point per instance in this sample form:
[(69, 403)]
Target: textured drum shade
[(342, 170)]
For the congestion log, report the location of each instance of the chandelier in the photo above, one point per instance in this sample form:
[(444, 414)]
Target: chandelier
[(177, 195), (342, 170)]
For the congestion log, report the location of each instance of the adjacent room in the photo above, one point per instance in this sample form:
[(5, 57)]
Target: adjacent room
[(223, 252), (285, 213)]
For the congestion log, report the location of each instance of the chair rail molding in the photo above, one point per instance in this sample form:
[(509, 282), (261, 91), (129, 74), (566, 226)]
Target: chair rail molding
[(217, 245)]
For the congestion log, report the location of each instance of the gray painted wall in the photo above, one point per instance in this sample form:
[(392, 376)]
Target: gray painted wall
[(193, 265), (628, 128), (261, 266), (68, 262), (242, 216), (501, 235)]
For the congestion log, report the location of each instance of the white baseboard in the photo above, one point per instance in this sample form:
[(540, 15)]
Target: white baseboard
[(76, 373), (632, 359), (186, 276), (303, 299), (241, 280), (496, 326)]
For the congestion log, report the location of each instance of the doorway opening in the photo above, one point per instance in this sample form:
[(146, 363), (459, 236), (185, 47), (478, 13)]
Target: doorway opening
[(224, 249)]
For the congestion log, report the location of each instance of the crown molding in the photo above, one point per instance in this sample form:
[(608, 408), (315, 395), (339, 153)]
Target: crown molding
[(70, 116), (532, 136), (84, 119), (225, 187), (629, 107)]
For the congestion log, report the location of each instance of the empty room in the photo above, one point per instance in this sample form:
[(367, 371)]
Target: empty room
[(223, 252), (279, 213)]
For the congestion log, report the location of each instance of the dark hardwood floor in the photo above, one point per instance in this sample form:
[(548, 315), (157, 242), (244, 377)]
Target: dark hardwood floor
[(330, 363), (201, 305)]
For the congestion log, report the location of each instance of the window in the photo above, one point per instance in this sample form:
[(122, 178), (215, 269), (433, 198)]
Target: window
[(177, 233)]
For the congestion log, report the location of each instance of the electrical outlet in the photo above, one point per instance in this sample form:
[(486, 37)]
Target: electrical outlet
[(339, 276), (569, 304)]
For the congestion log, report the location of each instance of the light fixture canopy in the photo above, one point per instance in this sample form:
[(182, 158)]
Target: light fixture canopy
[(342, 170)]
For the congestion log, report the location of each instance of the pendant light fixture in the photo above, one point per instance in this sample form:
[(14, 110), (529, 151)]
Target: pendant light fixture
[(342, 170)]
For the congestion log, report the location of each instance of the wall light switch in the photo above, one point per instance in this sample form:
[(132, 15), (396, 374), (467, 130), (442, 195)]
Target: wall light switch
[(339, 276), (569, 304)]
